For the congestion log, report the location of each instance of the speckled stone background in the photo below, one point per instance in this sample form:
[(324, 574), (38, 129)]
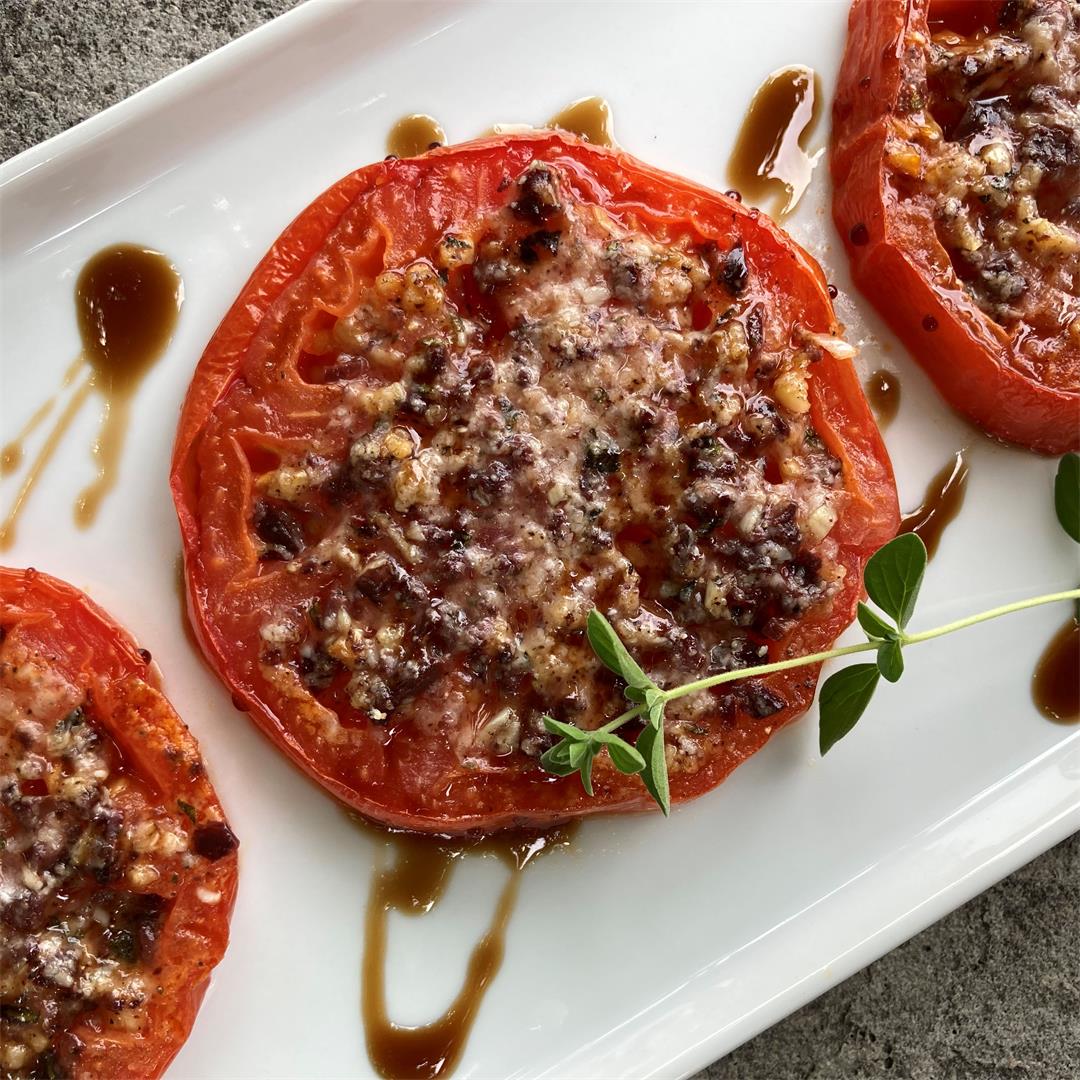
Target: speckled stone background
[(991, 991)]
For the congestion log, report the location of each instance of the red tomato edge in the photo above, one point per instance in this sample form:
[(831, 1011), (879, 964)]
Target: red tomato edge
[(113, 658), (864, 454), (965, 355)]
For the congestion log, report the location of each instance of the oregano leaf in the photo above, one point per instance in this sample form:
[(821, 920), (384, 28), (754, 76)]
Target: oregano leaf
[(586, 768), (567, 731), (650, 745), (579, 751), (874, 625), (894, 575), (612, 652), (1067, 494), (844, 697), (624, 757), (556, 760), (890, 660), (654, 706)]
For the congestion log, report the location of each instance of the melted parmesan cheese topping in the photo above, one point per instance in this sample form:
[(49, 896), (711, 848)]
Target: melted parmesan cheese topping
[(993, 135), (79, 858), (555, 413)]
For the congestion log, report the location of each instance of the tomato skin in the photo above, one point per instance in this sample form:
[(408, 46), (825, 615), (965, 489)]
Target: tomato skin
[(898, 263), (93, 650), (965, 16), (619, 183)]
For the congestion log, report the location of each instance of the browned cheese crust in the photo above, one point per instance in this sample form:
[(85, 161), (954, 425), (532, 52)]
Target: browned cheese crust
[(603, 452), (991, 137)]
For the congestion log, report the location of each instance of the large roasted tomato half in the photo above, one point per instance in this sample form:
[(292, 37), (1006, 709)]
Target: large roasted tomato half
[(469, 396), (956, 170), (117, 868)]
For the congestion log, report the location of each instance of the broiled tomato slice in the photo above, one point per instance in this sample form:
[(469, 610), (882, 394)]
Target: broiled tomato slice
[(956, 171), (117, 867), (468, 396)]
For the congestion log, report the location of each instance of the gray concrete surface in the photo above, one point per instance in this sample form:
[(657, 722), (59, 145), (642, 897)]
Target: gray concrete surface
[(991, 991)]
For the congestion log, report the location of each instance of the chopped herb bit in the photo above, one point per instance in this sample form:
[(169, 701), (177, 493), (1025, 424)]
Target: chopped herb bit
[(602, 454), (16, 1012), (123, 946), (72, 720)]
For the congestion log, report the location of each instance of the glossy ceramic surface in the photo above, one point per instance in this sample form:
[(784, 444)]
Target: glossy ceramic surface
[(693, 933)]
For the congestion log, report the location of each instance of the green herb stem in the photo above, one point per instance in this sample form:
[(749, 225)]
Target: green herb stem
[(766, 669), (865, 646), (993, 613), (624, 718)]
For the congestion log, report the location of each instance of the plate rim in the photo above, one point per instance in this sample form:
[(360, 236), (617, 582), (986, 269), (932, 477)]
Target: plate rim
[(1046, 829)]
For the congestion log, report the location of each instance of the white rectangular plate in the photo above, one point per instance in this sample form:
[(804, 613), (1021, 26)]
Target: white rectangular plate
[(694, 933)]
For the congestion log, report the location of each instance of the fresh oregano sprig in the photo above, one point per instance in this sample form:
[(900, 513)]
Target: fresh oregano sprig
[(893, 578)]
